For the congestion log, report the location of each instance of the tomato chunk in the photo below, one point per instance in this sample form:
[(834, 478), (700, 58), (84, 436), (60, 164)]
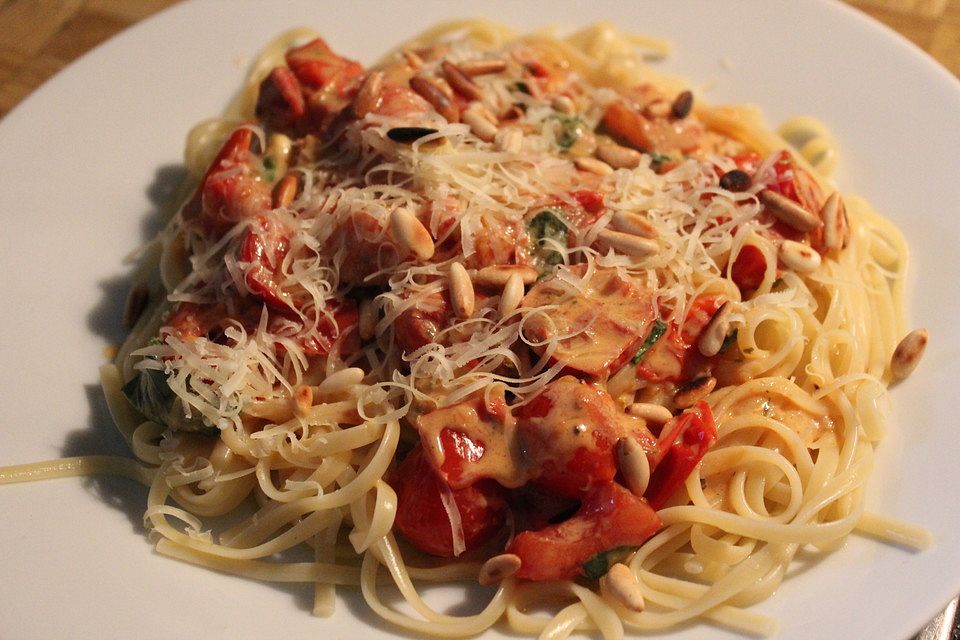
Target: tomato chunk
[(232, 189), (264, 246), (421, 515), (674, 357), (748, 268), (609, 517), (608, 320), (661, 135), (568, 433), (683, 443)]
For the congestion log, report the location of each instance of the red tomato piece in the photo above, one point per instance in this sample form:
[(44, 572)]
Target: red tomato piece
[(673, 357), (264, 246), (663, 135), (423, 520), (591, 201), (683, 443), (419, 325), (280, 102), (568, 433), (749, 268), (609, 517), (231, 190), (341, 328)]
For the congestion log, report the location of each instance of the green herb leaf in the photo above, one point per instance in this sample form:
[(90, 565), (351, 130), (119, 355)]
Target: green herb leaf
[(150, 394), (270, 168), (548, 225), (727, 341), (521, 87), (597, 566), (657, 160), (658, 329), (571, 130)]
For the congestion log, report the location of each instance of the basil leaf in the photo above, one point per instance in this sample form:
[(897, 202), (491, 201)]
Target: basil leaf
[(571, 129), (548, 225), (657, 160), (597, 566), (658, 329), (150, 394)]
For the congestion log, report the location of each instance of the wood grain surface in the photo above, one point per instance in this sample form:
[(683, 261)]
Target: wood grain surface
[(40, 37)]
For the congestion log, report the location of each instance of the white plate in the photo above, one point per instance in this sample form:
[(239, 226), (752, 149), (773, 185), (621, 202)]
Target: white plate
[(85, 156)]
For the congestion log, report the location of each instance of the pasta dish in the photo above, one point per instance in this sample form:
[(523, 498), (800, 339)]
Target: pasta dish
[(516, 310)]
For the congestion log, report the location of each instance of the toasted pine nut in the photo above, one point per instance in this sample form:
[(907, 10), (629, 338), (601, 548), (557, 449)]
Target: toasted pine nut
[(593, 165), (713, 335), (653, 413), (302, 399), (908, 353), (368, 97), (285, 191), (498, 275), (512, 295), (564, 105), (433, 92), (682, 105), (460, 81), (341, 381), (479, 125), (694, 391), (411, 235), (658, 109), (620, 584), (509, 140), (278, 148), (836, 227), (367, 322), (498, 568), (461, 291), (629, 244), (618, 156), (798, 256), (483, 66), (633, 464), (634, 224), (137, 301), (414, 61), (787, 211)]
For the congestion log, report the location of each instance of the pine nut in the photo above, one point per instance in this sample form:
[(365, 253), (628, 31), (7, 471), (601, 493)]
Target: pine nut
[(787, 211), (483, 67), (368, 97), (629, 244), (713, 335), (497, 276), (652, 413), (735, 180), (634, 465), (592, 165), (433, 92), (137, 301), (908, 353), (460, 81), (634, 224), (411, 235), (367, 322), (798, 256), (498, 568), (620, 584), (340, 381), (509, 140), (414, 61), (512, 295), (461, 291), (836, 226), (618, 156), (694, 391), (658, 109), (285, 191), (302, 399), (278, 149), (564, 105), (479, 125)]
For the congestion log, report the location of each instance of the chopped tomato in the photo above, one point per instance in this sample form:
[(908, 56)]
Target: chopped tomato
[(662, 135), (591, 201), (423, 519), (608, 320), (264, 246), (419, 325), (673, 356), (232, 188), (748, 161), (609, 517), (568, 433), (748, 268), (683, 443), (341, 328), (280, 101)]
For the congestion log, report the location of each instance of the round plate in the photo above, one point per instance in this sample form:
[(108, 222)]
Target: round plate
[(93, 153)]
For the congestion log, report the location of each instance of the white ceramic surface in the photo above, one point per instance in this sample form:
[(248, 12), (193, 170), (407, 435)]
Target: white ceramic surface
[(86, 158)]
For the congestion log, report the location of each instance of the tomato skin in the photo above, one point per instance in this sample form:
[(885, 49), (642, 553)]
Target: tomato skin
[(419, 325), (748, 268), (683, 443), (674, 357), (264, 246), (591, 201), (609, 517), (280, 102), (342, 330), (422, 519)]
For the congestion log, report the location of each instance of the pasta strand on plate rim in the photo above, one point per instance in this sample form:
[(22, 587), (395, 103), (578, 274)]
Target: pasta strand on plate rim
[(516, 308)]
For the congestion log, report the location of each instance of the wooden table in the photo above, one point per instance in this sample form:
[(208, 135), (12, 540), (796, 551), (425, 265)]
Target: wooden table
[(40, 37)]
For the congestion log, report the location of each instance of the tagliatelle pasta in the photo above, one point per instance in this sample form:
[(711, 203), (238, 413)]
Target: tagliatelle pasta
[(519, 303)]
